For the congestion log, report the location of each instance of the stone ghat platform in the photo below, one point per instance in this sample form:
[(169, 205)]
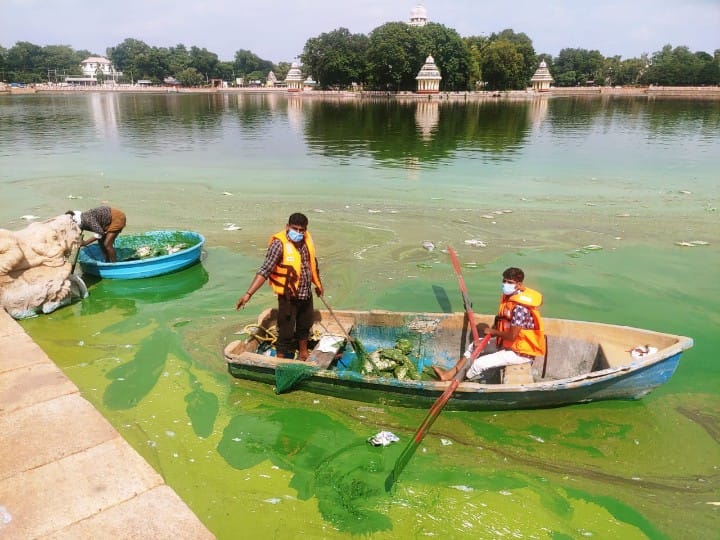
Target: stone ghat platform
[(65, 472)]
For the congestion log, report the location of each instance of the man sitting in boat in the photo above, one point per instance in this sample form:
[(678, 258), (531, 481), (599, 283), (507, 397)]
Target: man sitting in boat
[(106, 223), (291, 266), (518, 329)]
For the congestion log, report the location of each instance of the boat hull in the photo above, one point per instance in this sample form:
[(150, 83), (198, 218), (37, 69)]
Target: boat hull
[(614, 373), (92, 262)]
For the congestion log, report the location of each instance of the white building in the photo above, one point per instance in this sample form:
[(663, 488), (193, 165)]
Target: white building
[(418, 16), (92, 68), (428, 78), (542, 79), (294, 79)]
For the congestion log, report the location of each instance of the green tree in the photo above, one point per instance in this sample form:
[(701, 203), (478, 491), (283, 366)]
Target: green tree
[(475, 46), (246, 62), (450, 53), (586, 65), (190, 77), (394, 57), (337, 58), (523, 45), (503, 66), (178, 59), (281, 70)]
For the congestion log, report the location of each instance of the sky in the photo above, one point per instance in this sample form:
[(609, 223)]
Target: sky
[(277, 31)]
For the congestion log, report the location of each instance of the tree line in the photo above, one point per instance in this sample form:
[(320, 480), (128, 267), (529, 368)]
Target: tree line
[(388, 59)]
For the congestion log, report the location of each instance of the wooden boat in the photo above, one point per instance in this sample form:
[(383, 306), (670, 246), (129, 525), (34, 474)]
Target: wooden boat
[(585, 361), (144, 255)]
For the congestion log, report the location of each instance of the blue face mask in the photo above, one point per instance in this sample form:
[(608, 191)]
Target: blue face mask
[(295, 236), (508, 288)]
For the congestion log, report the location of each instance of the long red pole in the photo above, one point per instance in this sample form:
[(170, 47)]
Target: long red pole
[(439, 404)]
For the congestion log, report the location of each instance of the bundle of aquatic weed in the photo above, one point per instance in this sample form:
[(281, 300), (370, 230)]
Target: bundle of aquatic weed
[(395, 361)]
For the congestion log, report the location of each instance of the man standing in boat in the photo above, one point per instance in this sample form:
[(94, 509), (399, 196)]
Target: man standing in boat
[(291, 267), (518, 329), (105, 223)]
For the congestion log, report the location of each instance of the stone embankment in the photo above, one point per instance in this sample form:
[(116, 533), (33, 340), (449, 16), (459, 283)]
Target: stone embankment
[(65, 472), (687, 92)]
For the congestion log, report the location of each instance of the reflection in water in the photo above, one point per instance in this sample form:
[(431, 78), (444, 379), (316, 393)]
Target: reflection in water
[(427, 116)]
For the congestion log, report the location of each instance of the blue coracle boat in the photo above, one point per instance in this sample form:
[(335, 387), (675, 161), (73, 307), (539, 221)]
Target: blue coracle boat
[(144, 255)]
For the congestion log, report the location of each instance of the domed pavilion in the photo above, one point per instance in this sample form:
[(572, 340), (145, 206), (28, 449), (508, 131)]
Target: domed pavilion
[(428, 78), (294, 79), (542, 79)]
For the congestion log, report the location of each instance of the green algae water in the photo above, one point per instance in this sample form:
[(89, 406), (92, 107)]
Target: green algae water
[(598, 200)]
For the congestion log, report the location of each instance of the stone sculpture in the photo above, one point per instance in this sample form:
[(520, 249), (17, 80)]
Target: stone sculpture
[(36, 267)]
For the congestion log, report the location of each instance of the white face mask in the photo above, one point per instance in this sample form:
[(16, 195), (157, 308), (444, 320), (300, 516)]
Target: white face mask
[(508, 288)]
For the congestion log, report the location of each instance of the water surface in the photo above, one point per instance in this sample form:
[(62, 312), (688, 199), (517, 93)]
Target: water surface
[(537, 181)]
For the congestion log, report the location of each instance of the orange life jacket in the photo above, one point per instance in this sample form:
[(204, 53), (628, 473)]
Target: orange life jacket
[(530, 342), (285, 277)]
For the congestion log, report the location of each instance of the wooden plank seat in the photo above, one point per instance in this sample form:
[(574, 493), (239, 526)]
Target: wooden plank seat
[(325, 328), (518, 374)]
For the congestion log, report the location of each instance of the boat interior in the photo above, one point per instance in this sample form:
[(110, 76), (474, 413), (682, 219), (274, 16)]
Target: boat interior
[(574, 348)]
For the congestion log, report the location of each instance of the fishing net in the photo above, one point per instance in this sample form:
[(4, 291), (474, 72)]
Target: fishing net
[(289, 375)]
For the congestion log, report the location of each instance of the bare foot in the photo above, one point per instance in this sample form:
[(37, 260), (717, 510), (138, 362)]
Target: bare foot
[(303, 357), (444, 374)]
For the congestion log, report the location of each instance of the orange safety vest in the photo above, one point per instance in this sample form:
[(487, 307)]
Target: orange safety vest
[(530, 342), (285, 277)]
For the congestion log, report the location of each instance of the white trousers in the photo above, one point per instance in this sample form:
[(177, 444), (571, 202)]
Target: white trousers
[(504, 357)]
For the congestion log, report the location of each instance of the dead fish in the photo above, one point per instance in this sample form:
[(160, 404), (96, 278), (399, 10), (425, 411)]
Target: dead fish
[(231, 227), (427, 244), (29, 217), (143, 251)]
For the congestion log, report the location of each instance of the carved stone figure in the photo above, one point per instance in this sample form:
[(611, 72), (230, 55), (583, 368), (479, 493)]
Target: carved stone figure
[(36, 267)]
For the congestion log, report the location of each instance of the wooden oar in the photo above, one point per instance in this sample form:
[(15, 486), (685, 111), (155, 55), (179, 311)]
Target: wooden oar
[(439, 404)]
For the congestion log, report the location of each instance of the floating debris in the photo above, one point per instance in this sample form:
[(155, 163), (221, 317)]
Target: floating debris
[(446, 442), (475, 243), (226, 193), (507, 211), (592, 247), (488, 216), (231, 227), (642, 350), (74, 197), (372, 211), (427, 244), (424, 265), (699, 243), (622, 215), (685, 192), (498, 212), (29, 217), (471, 265), (384, 438), (318, 210)]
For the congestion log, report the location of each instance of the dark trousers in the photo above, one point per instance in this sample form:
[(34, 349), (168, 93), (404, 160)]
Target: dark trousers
[(295, 318)]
